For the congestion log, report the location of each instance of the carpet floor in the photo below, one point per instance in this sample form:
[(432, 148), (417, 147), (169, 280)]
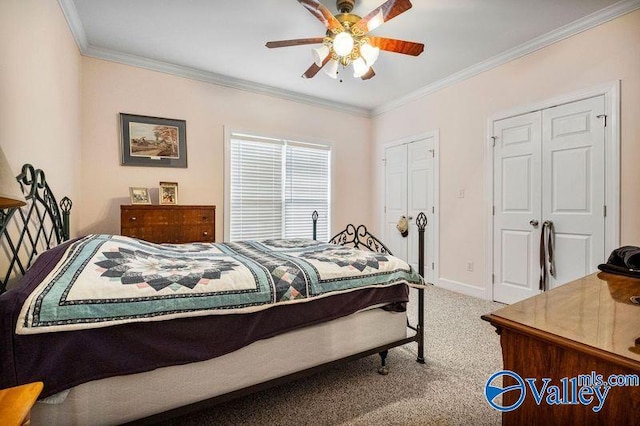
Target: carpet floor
[(461, 352)]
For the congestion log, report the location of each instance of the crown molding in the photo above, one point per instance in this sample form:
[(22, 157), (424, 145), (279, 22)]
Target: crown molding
[(590, 21), (75, 24)]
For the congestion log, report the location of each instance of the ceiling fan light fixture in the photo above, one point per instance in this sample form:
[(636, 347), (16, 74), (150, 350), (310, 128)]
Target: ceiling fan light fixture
[(369, 53), (360, 68), (343, 44), (319, 54), (332, 68)]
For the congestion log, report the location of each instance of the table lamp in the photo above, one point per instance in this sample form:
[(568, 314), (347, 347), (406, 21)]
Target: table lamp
[(10, 192)]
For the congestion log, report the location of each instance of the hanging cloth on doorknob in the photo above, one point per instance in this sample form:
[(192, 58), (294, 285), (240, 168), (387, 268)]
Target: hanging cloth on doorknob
[(403, 226), (547, 241)]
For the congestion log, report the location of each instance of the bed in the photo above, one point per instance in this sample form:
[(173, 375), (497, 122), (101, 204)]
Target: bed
[(109, 335)]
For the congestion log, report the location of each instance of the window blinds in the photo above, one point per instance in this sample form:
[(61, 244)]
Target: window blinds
[(256, 189), (306, 189), (275, 185)]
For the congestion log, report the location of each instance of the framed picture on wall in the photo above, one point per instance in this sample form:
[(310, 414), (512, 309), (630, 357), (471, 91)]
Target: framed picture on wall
[(168, 192), (139, 195), (153, 141)]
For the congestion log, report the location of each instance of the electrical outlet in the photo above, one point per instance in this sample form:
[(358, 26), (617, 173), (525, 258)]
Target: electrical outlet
[(470, 266), (461, 193)]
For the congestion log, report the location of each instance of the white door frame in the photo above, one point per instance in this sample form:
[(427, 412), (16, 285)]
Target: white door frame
[(435, 134), (611, 92)]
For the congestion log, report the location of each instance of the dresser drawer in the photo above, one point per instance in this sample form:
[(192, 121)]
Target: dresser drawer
[(138, 217), (168, 224)]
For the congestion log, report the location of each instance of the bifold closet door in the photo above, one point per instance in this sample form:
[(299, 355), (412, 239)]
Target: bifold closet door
[(549, 165), (409, 190)]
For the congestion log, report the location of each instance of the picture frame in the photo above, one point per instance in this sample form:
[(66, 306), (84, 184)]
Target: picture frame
[(168, 193), (152, 141), (139, 195)]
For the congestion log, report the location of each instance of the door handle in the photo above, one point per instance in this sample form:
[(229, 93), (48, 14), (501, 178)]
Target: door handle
[(534, 223)]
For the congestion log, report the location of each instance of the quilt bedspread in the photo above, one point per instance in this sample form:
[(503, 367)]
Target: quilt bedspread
[(104, 280)]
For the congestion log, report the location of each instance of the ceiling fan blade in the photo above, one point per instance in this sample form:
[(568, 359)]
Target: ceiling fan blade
[(313, 69), (383, 13), (296, 42), (397, 46), (369, 74), (321, 12)]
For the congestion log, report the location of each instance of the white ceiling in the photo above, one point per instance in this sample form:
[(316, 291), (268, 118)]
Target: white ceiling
[(225, 39)]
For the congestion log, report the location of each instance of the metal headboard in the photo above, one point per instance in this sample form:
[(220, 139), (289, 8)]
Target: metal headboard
[(359, 238), (27, 231), (356, 237)]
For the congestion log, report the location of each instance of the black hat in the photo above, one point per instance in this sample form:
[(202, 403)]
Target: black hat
[(623, 261)]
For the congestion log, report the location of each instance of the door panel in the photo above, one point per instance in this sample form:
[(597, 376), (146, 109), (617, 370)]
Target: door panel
[(570, 181), (516, 270), (395, 198), (573, 180), (420, 167), (573, 254), (517, 198)]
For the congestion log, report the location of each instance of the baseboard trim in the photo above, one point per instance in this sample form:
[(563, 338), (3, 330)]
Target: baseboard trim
[(462, 288)]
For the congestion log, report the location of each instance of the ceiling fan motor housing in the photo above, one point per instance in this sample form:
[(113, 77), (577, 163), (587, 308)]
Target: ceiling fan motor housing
[(345, 6)]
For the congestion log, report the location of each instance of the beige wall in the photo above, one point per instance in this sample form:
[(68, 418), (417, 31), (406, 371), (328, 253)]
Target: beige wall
[(606, 53), (40, 68), (109, 88)]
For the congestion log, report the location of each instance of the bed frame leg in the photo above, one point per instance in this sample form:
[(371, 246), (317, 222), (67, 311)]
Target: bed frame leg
[(420, 327), (421, 222), (383, 363)]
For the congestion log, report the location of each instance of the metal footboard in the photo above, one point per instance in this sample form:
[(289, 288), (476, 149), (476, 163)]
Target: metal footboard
[(360, 238)]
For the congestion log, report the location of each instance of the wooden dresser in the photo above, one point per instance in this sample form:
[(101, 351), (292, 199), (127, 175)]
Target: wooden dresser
[(584, 326), (169, 224)]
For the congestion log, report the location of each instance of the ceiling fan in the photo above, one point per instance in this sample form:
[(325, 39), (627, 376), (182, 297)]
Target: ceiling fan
[(346, 41)]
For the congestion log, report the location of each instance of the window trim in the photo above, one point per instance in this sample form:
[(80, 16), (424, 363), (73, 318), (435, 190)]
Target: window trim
[(266, 136)]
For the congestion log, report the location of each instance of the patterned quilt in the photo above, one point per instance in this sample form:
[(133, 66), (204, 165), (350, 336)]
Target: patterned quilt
[(104, 280)]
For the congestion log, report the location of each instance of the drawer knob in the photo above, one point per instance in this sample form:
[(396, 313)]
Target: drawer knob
[(133, 218), (205, 233)]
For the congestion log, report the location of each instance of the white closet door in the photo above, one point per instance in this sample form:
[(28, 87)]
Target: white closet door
[(395, 198), (420, 185), (517, 201), (573, 179)]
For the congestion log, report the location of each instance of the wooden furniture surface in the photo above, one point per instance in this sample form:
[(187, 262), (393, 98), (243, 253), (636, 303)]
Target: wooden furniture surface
[(16, 403), (587, 325), (168, 224)]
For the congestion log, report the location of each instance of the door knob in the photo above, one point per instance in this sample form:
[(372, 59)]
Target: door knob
[(533, 223)]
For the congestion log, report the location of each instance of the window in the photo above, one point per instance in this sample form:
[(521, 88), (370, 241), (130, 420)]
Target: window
[(273, 187)]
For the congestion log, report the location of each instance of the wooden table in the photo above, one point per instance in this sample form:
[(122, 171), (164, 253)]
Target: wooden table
[(584, 326), (16, 403)]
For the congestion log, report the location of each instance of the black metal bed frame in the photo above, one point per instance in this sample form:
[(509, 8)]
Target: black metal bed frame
[(42, 224), (360, 238), (38, 226)]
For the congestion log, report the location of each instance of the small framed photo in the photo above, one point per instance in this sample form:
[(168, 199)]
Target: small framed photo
[(168, 192), (153, 141), (139, 195)]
